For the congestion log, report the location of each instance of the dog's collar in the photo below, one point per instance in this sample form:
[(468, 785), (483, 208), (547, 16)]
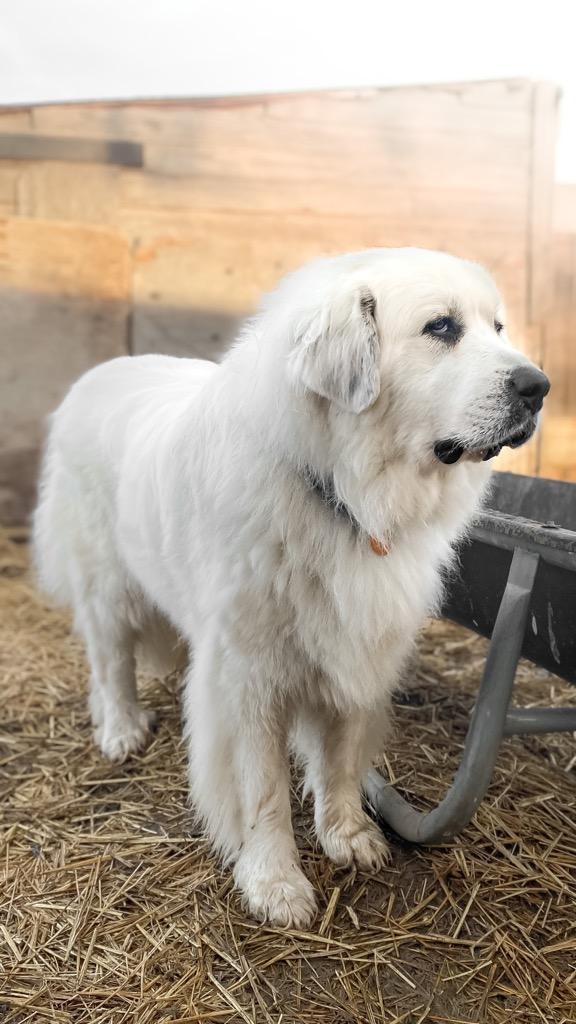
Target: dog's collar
[(324, 488)]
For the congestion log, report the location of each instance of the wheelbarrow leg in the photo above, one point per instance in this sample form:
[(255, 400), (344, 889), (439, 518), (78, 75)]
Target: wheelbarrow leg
[(486, 728)]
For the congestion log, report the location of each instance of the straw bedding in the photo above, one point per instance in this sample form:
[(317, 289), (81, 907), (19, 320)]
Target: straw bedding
[(112, 909)]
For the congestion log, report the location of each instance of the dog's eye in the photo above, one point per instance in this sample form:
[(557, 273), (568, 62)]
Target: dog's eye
[(440, 326), (444, 327), (498, 326)]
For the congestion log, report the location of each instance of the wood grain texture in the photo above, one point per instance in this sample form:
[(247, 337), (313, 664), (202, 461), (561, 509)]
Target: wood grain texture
[(233, 193), (57, 191), (9, 178), (64, 306), (544, 132), (558, 435), (564, 212)]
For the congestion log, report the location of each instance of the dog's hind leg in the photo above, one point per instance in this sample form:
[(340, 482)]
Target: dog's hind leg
[(337, 750), (121, 725)]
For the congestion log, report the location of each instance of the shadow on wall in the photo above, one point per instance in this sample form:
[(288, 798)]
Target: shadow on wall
[(47, 341), (193, 333)]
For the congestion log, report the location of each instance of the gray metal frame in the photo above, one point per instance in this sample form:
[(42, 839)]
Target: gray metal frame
[(491, 719)]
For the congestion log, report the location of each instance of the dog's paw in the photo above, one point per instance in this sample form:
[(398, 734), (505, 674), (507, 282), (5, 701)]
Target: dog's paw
[(126, 734), (286, 901), (359, 843)]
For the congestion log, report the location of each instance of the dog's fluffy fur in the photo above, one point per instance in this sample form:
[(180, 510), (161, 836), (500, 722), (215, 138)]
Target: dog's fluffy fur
[(176, 505)]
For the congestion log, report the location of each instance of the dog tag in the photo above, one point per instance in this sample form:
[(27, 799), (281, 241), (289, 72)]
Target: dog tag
[(378, 548)]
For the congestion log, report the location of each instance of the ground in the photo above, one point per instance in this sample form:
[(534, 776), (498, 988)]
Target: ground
[(112, 909)]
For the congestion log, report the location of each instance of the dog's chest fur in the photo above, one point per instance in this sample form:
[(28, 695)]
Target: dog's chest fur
[(316, 606)]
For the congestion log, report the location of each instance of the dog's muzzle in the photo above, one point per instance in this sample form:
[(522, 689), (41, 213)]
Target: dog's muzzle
[(527, 388), (450, 450)]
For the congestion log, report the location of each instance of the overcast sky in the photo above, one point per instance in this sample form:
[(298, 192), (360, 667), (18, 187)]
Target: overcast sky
[(53, 50)]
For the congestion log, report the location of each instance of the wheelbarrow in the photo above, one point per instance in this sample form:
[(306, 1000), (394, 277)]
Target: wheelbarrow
[(515, 583)]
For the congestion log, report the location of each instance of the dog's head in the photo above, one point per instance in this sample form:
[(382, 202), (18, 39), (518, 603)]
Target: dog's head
[(418, 338)]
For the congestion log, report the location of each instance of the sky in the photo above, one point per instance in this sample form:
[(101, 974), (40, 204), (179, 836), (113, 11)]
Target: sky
[(54, 50)]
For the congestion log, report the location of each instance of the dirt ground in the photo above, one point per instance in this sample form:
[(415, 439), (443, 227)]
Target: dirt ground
[(112, 909)]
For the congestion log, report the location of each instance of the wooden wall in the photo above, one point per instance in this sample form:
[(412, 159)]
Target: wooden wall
[(558, 444), (138, 227)]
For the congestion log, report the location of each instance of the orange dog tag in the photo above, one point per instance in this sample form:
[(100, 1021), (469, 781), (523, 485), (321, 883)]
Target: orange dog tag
[(378, 548)]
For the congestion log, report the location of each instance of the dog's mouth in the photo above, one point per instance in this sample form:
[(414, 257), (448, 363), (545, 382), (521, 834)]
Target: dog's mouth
[(452, 450)]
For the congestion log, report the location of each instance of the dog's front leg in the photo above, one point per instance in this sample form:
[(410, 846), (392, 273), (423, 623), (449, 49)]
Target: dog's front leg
[(337, 750), (241, 786), (267, 870)]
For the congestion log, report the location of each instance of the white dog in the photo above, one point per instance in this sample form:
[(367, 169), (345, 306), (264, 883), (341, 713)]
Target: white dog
[(287, 515)]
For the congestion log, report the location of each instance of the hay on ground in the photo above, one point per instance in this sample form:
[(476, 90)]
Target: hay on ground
[(113, 911)]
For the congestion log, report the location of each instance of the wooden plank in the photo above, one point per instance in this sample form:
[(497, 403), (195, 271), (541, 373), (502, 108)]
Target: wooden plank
[(388, 150), (177, 120), (558, 435), (544, 132), (233, 193), (70, 262), (522, 460), (15, 146), (57, 191), (64, 306), (16, 119), (429, 166), (9, 174), (564, 215), (218, 266), (390, 187)]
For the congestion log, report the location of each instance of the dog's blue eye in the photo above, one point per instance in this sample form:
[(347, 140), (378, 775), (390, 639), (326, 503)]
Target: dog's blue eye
[(446, 328), (442, 325), (498, 326)]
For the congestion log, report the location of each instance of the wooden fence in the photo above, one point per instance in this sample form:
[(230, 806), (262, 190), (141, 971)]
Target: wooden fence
[(155, 226), (558, 441)]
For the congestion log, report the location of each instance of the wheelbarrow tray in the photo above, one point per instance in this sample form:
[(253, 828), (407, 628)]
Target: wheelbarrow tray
[(514, 581), (476, 586)]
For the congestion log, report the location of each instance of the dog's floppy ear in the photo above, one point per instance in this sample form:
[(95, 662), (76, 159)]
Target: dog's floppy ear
[(337, 352)]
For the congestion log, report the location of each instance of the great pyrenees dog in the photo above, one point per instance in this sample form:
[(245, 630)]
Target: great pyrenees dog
[(285, 516)]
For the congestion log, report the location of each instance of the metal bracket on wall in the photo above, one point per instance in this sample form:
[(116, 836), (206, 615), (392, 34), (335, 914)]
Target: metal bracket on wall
[(491, 720)]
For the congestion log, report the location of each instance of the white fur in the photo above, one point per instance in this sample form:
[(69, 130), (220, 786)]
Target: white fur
[(175, 491)]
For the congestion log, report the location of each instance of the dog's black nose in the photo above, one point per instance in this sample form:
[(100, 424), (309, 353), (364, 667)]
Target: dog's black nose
[(531, 386)]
